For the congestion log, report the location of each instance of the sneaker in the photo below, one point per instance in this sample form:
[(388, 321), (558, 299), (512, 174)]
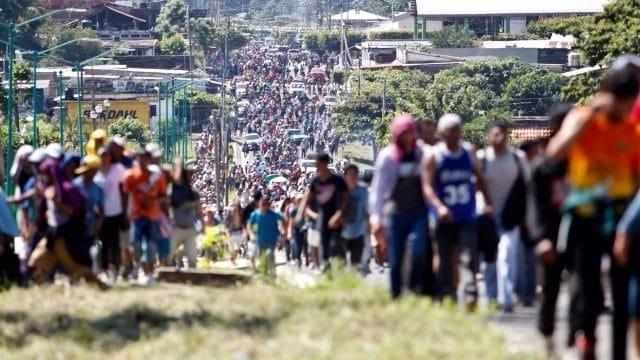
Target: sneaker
[(143, 279), (550, 347), (471, 304), (586, 349)]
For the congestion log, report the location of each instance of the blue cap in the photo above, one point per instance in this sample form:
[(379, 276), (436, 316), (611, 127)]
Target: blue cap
[(70, 157)]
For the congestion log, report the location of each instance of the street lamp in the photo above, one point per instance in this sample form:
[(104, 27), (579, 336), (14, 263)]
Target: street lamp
[(11, 27), (35, 55), (78, 66)]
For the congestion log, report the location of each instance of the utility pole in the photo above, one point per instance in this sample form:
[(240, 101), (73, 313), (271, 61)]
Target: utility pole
[(224, 117), (329, 18), (384, 111), (218, 15), (318, 15), (190, 44)]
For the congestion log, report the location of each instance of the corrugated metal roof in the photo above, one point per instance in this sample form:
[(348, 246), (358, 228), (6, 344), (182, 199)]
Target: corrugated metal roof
[(529, 133), (502, 7), (357, 15)]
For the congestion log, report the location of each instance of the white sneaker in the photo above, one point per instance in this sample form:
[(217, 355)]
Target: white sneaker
[(143, 279)]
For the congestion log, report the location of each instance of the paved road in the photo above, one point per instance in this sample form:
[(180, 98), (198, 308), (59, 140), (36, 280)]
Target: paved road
[(519, 328)]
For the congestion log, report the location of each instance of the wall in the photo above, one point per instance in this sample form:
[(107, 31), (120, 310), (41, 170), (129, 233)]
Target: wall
[(138, 109), (527, 55)]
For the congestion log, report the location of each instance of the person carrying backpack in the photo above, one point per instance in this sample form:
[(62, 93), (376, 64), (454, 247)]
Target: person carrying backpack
[(506, 172)]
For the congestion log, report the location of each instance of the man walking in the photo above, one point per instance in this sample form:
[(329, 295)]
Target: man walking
[(453, 174), (266, 226), (356, 217), (329, 192), (145, 213), (506, 172), (600, 142)]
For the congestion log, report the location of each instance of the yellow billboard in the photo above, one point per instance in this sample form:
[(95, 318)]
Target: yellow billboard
[(138, 109)]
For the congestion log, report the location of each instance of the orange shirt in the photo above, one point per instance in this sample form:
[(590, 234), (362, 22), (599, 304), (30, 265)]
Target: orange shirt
[(606, 154), (145, 192)]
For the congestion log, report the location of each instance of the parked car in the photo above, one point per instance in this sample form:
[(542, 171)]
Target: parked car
[(330, 100), (297, 88), (251, 138)]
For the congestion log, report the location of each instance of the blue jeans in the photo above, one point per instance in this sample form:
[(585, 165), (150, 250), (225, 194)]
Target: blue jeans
[(146, 233), (526, 285), (507, 266), (299, 247), (407, 232)]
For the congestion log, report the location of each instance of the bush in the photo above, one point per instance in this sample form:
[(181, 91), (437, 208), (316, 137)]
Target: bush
[(338, 77), (452, 37), (574, 25), (510, 37), (323, 42), (391, 35), (132, 130), (174, 45)]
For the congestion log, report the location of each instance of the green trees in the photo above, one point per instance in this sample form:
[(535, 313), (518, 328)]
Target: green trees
[(174, 45), (171, 26), (391, 35), (481, 92), (52, 33), (452, 37), (136, 133), (172, 19), (613, 33), (574, 25), (361, 113), (535, 92), (323, 42), (203, 32), (21, 71)]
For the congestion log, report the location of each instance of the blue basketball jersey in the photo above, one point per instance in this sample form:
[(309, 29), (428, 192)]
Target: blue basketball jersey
[(455, 184)]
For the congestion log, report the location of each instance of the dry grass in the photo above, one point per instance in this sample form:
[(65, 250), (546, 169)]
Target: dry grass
[(360, 154), (342, 319)]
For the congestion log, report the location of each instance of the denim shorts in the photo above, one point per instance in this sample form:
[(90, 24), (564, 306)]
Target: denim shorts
[(145, 239)]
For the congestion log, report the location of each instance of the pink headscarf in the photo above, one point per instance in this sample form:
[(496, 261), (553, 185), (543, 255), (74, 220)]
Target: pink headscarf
[(401, 124)]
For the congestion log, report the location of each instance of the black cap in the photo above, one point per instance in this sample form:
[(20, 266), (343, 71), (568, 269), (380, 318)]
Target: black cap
[(323, 157), (257, 195)]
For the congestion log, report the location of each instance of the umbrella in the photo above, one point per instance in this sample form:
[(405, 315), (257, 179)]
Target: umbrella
[(270, 177), (278, 180)]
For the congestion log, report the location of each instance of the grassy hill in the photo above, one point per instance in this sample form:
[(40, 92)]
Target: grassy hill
[(341, 319)]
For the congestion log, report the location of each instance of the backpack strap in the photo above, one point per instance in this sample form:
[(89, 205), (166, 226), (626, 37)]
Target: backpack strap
[(518, 164)]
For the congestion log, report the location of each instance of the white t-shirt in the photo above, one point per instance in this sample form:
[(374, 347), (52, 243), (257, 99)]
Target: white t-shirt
[(110, 184)]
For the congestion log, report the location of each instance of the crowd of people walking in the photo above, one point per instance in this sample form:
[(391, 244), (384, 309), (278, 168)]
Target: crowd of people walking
[(447, 219)]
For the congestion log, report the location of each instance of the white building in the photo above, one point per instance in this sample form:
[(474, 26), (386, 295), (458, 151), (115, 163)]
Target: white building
[(399, 21), (357, 18), (494, 16)]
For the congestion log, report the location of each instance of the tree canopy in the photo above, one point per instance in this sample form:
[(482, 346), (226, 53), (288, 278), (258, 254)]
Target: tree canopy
[(614, 32), (172, 19), (51, 34), (479, 91), (324, 41), (574, 25), (452, 37), (174, 45)]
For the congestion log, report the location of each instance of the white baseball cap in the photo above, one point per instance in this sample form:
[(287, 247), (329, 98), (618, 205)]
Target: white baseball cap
[(449, 121)]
